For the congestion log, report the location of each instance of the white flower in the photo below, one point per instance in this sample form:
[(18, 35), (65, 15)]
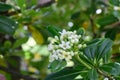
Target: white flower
[(51, 58), (64, 32), (67, 56), (65, 45), (106, 78), (80, 46), (50, 47), (56, 37), (84, 45), (70, 64)]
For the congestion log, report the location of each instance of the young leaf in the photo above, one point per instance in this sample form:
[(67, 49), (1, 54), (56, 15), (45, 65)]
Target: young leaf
[(65, 74), (7, 25)]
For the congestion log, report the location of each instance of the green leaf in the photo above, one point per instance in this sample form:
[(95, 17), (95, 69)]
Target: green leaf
[(53, 30), (111, 68), (65, 74), (4, 7), (103, 48), (114, 2), (19, 42), (80, 31), (57, 65), (111, 34), (90, 52), (106, 20), (21, 4), (92, 75), (99, 50), (7, 25)]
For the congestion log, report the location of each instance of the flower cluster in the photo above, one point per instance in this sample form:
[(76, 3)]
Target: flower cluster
[(65, 46)]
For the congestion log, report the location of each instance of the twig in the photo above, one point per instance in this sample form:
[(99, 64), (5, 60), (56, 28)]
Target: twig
[(104, 74), (44, 5), (116, 24), (12, 72)]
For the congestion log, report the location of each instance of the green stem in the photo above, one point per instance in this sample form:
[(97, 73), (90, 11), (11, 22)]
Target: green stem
[(81, 61)]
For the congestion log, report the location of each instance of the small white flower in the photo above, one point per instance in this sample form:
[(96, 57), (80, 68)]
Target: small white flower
[(51, 58), (64, 32), (56, 37), (67, 56), (70, 64), (50, 47), (65, 45), (80, 46), (72, 53), (106, 78), (84, 45)]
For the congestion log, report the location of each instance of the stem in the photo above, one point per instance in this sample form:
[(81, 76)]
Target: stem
[(81, 61), (104, 74)]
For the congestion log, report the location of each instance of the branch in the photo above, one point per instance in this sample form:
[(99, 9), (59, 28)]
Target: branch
[(116, 24), (104, 74), (44, 4), (25, 77)]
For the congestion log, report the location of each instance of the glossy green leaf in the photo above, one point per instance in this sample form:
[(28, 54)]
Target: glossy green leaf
[(53, 30), (65, 74), (90, 52), (7, 25), (57, 65), (103, 48), (4, 7), (111, 68), (19, 42), (99, 50), (92, 75), (106, 20)]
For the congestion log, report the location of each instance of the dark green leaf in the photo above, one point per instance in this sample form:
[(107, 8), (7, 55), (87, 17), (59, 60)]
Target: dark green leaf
[(65, 74), (53, 30), (7, 25), (75, 15), (94, 41), (19, 42), (106, 20), (111, 34), (92, 75), (80, 31), (103, 48), (99, 50), (114, 2), (111, 68), (90, 52), (4, 7)]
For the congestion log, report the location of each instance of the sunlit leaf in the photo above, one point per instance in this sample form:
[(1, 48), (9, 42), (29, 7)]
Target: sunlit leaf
[(36, 35)]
